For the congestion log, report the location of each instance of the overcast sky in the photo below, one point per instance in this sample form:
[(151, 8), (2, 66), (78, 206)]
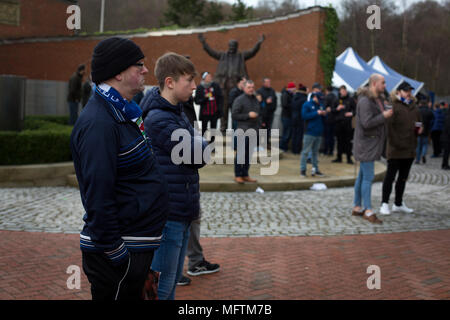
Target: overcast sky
[(324, 3)]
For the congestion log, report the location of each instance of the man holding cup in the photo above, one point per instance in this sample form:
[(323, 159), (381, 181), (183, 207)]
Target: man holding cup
[(402, 131)]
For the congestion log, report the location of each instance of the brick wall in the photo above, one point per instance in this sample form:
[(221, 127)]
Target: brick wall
[(37, 18), (289, 53)]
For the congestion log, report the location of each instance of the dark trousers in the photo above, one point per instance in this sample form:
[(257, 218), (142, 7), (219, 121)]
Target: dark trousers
[(205, 121), (344, 137), (297, 138), (241, 167), (446, 145), (329, 138), (287, 133), (402, 166), (109, 282), (436, 138)]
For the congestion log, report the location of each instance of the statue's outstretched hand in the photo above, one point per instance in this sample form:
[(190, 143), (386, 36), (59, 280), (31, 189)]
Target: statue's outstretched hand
[(262, 38), (200, 37)]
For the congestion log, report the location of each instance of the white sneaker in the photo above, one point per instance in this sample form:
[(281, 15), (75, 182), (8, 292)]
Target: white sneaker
[(385, 209), (403, 208)]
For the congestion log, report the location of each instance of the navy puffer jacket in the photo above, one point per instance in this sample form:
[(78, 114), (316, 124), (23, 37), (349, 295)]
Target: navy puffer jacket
[(161, 119)]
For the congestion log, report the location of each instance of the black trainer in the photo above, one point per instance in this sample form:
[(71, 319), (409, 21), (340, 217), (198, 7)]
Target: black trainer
[(203, 267), (303, 173), (184, 281), (315, 172)]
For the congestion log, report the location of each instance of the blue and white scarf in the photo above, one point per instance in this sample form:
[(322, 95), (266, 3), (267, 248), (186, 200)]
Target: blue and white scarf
[(404, 100), (130, 110)]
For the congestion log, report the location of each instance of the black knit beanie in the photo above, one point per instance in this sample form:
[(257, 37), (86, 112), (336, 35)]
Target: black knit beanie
[(112, 56)]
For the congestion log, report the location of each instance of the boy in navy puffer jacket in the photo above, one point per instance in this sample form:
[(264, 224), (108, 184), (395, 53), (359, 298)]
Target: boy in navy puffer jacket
[(169, 129)]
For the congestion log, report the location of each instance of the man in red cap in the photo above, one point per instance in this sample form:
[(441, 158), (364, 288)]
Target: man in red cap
[(286, 115)]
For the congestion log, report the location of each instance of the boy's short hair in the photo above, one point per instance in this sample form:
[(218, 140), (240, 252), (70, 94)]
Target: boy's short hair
[(172, 65)]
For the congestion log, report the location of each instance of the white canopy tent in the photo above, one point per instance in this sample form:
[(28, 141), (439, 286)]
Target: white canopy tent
[(353, 72)]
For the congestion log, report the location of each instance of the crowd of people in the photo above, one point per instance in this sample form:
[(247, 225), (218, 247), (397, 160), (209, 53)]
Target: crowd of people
[(143, 213)]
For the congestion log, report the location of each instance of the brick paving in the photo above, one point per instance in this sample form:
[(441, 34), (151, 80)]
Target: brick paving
[(413, 265), (276, 245)]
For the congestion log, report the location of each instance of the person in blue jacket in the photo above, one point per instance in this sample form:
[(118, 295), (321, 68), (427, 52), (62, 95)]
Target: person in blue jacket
[(179, 150), (123, 190), (312, 114), (436, 130)]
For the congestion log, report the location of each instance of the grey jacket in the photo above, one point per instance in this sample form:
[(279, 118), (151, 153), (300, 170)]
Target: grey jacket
[(242, 105), (370, 130)]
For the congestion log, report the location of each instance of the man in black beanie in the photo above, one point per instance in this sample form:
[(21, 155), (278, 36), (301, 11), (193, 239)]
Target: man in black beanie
[(122, 189)]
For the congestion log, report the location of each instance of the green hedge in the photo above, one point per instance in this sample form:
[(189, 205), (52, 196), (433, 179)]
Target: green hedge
[(45, 139)]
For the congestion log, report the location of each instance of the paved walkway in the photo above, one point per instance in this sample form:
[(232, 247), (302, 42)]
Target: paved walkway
[(259, 241)]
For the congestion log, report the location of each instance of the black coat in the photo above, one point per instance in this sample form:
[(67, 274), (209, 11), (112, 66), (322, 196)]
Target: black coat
[(189, 111), (332, 102), (350, 106), (427, 119), (269, 109), (75, 88), (234, 93), (297, 103), (445, 136), (286, 104)]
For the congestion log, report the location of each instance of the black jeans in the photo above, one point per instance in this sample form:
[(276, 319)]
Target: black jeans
[(343, 133), (124, 282), (436, 138), (402, 166), (446, 146), (213, 121), (242, 160)]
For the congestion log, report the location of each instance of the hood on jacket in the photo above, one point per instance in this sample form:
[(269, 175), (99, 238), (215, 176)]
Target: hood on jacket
[(156, 101), (364, 91), (394, 97)]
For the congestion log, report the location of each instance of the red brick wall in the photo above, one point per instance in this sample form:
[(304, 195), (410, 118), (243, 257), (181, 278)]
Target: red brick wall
[(39, 18), (289, 53)]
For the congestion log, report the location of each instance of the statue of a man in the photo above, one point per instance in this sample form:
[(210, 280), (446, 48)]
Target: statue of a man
[(231, 66)]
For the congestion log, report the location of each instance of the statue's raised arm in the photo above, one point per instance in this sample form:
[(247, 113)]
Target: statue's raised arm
[(252, 52), (213, 53)]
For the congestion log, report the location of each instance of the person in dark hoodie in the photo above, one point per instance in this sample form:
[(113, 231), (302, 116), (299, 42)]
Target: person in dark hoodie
[(422, 139), (75, 93), (269, 98), (168, 127), (343, 113), (313, 114), (123, 190), (287, 95), (445, 139)]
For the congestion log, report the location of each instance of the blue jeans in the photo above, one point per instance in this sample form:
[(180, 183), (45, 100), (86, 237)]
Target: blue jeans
[(363, 185), (310, 144), (169, 258), (287, 132), (422, 147)]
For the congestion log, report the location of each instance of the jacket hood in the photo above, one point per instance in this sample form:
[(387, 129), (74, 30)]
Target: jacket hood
[(155, 101), (394, 98), (366, 92)]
